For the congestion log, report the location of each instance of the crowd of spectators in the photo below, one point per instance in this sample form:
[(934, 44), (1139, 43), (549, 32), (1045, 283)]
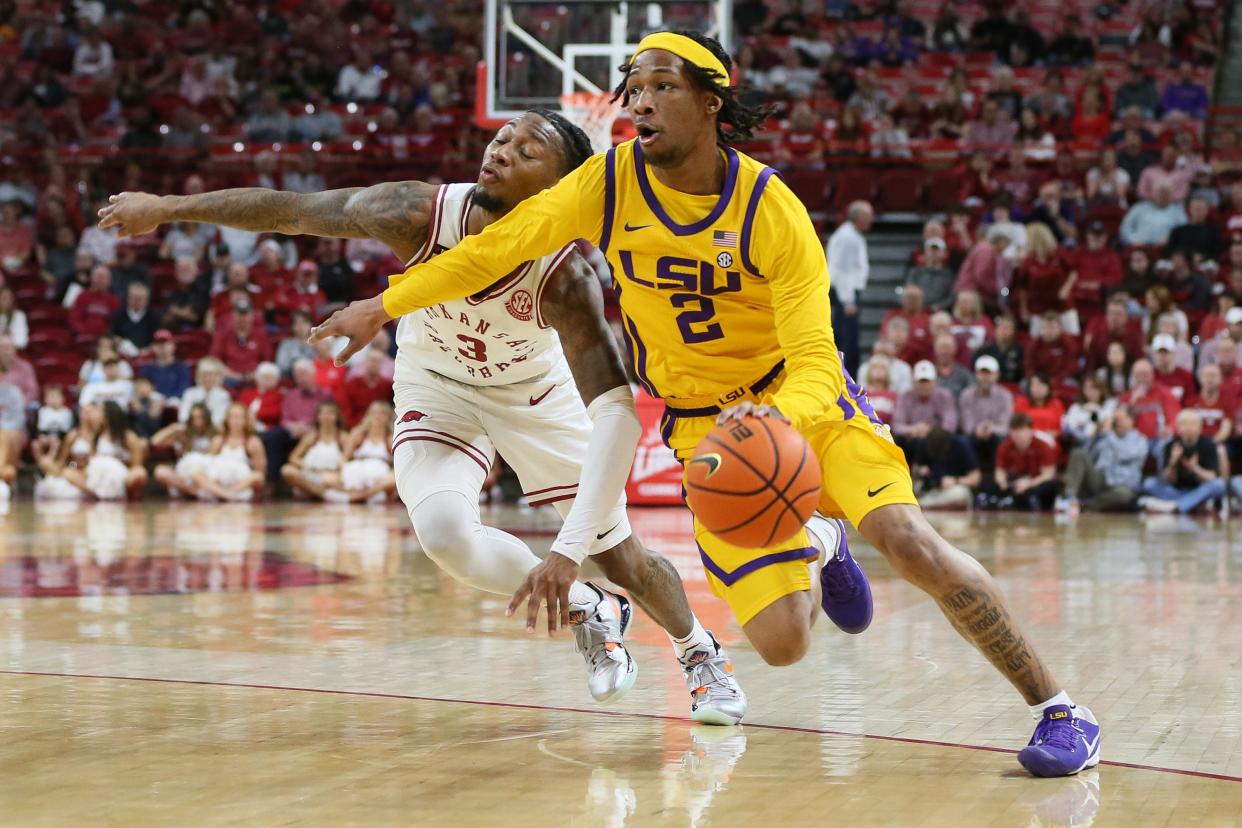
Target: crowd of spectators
[(1086, 266)]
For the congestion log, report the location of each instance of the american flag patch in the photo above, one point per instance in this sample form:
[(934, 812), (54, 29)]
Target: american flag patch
[(724, 238)]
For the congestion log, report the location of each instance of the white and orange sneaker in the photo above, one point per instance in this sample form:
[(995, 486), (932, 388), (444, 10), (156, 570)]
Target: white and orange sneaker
[(715, 696), (599, 636)]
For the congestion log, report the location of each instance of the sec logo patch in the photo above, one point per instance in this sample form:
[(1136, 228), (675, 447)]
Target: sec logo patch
[(520, 305), (725, 260)]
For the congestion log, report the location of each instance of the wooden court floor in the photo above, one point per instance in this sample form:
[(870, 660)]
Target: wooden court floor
[(260, 665)]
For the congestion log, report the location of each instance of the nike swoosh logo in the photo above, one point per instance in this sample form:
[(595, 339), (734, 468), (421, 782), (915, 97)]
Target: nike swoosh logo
[(712, 461), (873, 493), (539, 399), (630, 228), (602, 535), (1091, 745)]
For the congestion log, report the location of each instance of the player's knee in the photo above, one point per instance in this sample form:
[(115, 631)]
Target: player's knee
[(444, 535), (786, 649)]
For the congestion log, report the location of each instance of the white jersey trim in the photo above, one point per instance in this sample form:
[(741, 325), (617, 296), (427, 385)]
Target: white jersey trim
[(433, 228)]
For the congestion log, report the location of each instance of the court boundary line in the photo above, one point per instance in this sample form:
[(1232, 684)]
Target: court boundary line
[(375, 694)]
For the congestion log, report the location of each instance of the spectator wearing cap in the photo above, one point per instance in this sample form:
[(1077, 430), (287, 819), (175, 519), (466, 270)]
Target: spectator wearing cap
[(1185, 94), (135, 325), (1053, 353), (94, 308), (923, 408), (1230, 339), (1107, 473), (1006, 350), (933, 277), (1138, 91), (1190, 471), (1026, 471), (1198, 237), (1149, 223), (17, 372), (1154, 406), (985, 269), (848, 261), (985, 409), (1215, 404), (358, 391), (1095, 273), (1165, 173), (302, 295), (241, 344), (912, 310), (1114, 326), (168, 375)]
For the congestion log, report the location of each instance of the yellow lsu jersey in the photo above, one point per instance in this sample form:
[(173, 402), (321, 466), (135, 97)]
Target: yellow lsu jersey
[(720, 293)]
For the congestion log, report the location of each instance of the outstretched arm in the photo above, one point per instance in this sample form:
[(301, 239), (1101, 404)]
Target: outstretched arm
[(395, 213)]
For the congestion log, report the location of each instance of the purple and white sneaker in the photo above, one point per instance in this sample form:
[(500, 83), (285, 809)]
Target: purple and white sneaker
[(1066, 741), (845, 592)]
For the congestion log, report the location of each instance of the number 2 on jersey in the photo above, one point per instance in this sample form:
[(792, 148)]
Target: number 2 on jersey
[(700, 309), (475, 349)]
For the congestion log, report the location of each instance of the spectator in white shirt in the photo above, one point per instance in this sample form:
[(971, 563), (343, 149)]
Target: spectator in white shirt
[(848, 268), (114, 387), (93, 55), (359, 80)]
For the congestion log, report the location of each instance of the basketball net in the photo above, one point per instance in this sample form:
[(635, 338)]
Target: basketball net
[(595, 113)]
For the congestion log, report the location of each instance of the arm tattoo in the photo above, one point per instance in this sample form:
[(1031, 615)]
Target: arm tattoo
[(395, 213), (574, 305)]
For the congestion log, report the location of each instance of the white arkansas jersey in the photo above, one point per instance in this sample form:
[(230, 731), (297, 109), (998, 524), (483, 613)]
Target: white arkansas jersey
[(495, 337)]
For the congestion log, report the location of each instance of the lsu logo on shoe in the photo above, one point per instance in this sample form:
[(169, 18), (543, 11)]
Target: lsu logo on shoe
[(1060, 714)]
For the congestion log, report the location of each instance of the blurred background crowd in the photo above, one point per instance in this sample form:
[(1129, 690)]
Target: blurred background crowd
[(1077, 282)]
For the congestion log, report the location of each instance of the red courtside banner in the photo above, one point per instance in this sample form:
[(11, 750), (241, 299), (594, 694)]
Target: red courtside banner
[(655, 479)]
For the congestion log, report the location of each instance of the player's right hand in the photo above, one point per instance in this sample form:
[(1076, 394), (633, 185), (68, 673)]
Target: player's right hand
[(132, 213), (547, 584), (749, 409)]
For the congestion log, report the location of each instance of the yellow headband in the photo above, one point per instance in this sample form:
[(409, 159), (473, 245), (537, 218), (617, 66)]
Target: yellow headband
[(686, 49)]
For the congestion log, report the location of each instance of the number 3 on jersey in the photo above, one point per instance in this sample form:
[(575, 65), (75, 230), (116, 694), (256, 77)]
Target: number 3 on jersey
[(475, 349)]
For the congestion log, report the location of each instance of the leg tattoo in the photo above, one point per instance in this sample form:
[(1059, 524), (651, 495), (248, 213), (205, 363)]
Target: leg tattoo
[(978, 613)]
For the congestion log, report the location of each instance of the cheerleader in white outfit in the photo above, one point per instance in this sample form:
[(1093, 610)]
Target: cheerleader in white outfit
[(367, 474), (238, 464), (314, 467), (101, 459), (192, 441)]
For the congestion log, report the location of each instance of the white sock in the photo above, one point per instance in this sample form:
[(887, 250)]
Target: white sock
[(1037, 710), (581, 595), (827, 532), (697, 638)]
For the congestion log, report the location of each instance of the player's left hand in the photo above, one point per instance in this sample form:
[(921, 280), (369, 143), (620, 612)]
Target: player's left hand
[(548, 584), (133, 213), (358, 322), (749, 409)]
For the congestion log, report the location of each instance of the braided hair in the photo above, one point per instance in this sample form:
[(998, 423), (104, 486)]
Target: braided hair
[(574, 141), (735, 121)]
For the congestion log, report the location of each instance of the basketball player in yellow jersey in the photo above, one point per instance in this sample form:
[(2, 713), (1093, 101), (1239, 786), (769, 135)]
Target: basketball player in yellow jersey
[(724, 291)]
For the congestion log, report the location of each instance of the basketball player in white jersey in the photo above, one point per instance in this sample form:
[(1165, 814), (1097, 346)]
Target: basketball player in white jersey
[(528, 368)]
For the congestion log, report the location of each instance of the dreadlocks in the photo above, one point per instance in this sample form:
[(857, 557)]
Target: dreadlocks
[(574, 141), (736, 121)]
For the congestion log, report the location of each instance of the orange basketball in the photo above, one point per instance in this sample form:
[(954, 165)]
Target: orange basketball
[(753, 483)]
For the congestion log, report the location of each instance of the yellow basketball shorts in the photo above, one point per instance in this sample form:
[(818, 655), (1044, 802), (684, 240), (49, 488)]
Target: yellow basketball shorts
[(863, 469)]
